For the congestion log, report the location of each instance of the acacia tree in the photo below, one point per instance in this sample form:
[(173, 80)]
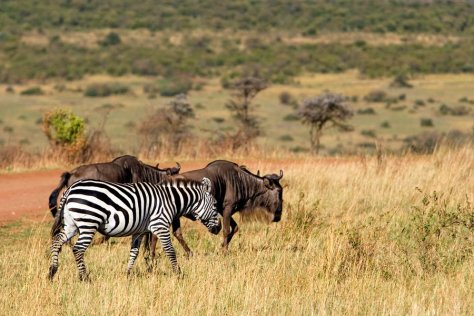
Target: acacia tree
[(318, 111), (169, 124), (241, 107)]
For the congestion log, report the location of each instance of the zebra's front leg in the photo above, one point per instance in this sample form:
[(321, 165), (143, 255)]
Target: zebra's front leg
[(134, 249), (83, 242), (163, 234)]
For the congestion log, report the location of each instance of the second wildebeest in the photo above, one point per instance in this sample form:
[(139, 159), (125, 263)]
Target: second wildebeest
[(124, 169), (236, 189)]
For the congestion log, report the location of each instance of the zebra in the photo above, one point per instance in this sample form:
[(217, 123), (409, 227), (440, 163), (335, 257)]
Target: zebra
[(130, 209)]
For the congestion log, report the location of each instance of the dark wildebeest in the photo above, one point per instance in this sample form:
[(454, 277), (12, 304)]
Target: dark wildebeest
[(235, 189), (124, 169)]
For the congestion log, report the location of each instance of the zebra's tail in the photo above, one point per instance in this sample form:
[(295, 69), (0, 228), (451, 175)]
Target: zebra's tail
[(53, 197), (58, 219)]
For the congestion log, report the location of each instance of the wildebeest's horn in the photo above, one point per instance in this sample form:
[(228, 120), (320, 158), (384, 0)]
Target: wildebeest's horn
[(157, 165), (178, 166), (281, 175), (258, 173)]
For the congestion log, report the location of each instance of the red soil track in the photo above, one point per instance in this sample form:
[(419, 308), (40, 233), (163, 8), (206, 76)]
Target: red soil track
[(26, 194)]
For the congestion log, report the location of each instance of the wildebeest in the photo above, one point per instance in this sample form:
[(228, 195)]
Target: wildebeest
[(236, 189), (124, 169)]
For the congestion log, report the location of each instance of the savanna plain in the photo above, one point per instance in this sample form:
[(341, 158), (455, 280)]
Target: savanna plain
[(361, 235)]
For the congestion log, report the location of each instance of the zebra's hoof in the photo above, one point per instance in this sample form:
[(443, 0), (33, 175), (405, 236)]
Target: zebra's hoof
[(52, 272)]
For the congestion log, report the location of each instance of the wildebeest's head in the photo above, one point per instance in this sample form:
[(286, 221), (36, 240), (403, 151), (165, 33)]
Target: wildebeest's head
[(270, 197), (206, 210), (170, 171)]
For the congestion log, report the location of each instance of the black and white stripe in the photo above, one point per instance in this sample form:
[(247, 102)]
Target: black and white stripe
[(131, 209)]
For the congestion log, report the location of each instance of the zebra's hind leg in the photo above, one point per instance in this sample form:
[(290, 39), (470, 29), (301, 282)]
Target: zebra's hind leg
[(163, 235), (58, 241), (83, 242), (134, 249)]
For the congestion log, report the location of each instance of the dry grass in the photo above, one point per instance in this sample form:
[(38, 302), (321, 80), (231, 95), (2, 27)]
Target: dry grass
[(356, 237)]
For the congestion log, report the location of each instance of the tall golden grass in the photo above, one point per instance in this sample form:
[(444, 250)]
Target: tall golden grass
[(359, 235)]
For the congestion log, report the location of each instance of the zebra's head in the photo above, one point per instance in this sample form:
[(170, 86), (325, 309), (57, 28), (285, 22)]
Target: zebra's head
[(206, 210)]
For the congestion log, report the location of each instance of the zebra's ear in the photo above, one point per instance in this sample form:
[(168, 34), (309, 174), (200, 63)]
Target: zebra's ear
[(206, 183)]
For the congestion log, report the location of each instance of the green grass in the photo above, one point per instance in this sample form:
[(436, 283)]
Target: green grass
[(22, 112)]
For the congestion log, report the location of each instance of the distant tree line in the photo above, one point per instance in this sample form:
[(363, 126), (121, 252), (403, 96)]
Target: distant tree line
[(277, 62), (306, 17)]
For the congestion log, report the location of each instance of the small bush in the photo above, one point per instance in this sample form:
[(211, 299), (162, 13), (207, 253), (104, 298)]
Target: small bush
[(218, 120), (398, 108), (376, 96), (32, 91), (104, 90), (62, 127), (366, 111), (385, 124), (419, 102), (455, 111), (175, 86), (286, 98), (9, 89), (366, 145), (426, 122), (368, 133), (400, 81), (291, 117), (111, 39), (286, 138)]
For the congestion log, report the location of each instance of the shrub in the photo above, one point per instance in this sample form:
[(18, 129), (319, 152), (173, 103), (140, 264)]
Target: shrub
[(62, 127), (111, 39), (369, 133), (174, 86), (286, 98), (366, 111), (426, 122), (400, 81), (419, 102), (385, 124), (218, 120), (291, 117), (32, 91), (376, 96), (455, 111), (424, 143), (104, 90), (9, 89), (398, 108), (286, 138)]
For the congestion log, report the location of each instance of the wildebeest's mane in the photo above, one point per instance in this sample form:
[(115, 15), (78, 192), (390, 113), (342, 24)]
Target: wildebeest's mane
[(148, 173), (244, 168)]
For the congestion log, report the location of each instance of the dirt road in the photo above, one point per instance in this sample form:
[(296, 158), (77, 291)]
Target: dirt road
[(26, 194)]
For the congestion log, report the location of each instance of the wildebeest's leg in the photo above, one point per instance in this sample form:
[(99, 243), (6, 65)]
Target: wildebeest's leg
[(58, 241), (177, 233), (83, 242), (134, 249), (102, 240), (163, 233), (235, 228), (227, 216)]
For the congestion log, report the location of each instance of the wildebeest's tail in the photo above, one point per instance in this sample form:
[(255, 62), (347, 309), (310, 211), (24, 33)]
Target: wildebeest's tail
[(53, 197)]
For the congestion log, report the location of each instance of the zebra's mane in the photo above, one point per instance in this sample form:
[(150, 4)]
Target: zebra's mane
[(180, 182)]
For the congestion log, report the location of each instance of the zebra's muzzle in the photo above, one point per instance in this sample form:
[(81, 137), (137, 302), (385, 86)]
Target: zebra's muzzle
[(216, 229)]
